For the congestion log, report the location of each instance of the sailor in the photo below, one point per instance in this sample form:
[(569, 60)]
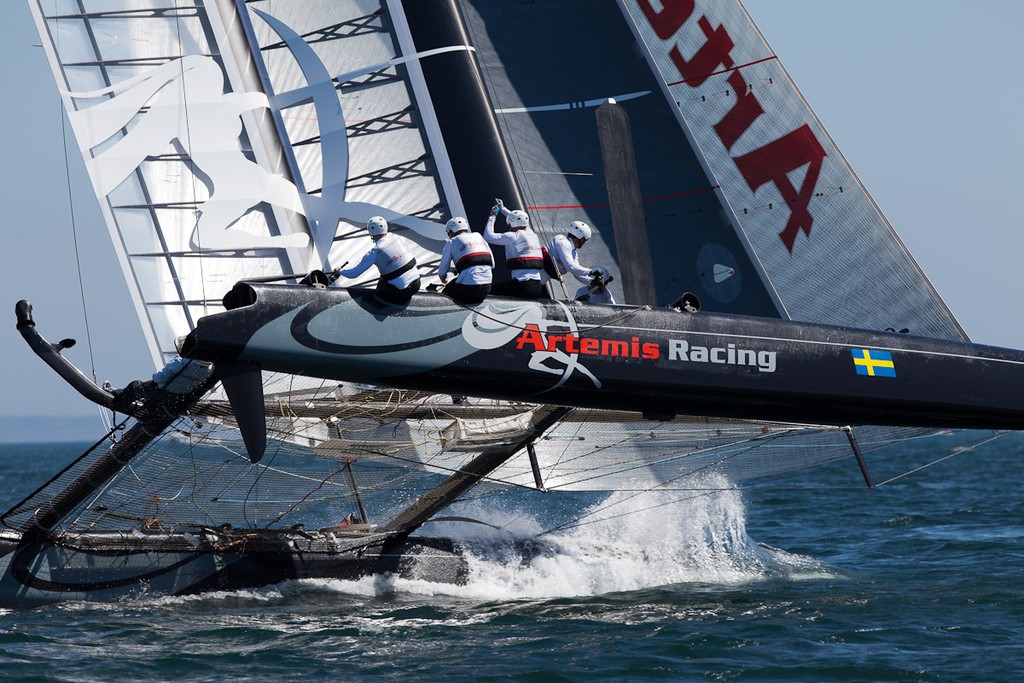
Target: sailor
[(468, 254), (563, 250), (182, 375), (178, 376), (392, 254), (523, 254)]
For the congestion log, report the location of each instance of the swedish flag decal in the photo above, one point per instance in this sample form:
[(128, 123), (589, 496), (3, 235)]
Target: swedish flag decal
[(873, 363)]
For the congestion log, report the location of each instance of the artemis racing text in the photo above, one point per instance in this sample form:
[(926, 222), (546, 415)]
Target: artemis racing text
[(678, 349), (587, 346)]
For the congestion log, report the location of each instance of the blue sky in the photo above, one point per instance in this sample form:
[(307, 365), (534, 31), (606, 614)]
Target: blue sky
[(921, 96)]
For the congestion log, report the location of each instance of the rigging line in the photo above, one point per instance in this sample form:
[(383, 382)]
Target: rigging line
[(550, 469), (15, 508), (561, 456), (636, 493), (652, 489), (74, 226), (197, 469), (502, 128), (581, 332), (87, 505), (644, 200), (415, 466), (757, 487), (736, 67), (629, 465), (958, 451), (887, 457), (253, 492), (298, 504), (268, 471), (191, 165), (580, 523)]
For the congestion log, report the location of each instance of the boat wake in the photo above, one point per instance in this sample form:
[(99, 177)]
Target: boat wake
[(628, 542), (623, 543)]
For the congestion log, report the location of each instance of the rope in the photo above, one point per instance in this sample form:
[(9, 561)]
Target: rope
[(628, 314), (959, 451), (74, 229), (709, 466), (191, 164), (513, 147), (19, 507)]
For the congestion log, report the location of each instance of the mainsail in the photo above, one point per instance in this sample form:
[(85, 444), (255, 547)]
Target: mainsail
[(230, 140), (748, 201)]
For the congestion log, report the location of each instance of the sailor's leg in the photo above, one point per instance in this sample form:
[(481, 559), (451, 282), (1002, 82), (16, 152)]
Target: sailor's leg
[(520, 289), (389, 294), (467, 294)]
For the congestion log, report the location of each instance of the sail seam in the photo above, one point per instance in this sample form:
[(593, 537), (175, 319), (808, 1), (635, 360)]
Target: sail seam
[(702, 77)]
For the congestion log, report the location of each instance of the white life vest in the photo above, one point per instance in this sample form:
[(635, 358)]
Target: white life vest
[(395, 262), (470, 249)]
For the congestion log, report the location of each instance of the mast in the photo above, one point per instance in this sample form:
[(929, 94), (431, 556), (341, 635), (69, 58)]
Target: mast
[(464, 112)]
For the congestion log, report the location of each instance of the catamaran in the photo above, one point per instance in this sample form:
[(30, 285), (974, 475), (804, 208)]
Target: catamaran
[(236, 147)]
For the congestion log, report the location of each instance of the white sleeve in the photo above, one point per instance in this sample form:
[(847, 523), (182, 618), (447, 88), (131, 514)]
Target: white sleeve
[(446, 260), (493, 237), (361, 267), (563, 252)]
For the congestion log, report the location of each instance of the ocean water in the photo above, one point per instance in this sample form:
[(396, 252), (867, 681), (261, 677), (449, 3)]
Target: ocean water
[(810, 578)]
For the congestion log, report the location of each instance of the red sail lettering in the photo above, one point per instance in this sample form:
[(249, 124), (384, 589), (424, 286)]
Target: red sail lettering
[(741, 116), (772, 162), (712, 54), (673, 14)]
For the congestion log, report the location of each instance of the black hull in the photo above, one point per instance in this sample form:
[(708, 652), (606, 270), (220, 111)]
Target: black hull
[(659, 362), (119, 565)]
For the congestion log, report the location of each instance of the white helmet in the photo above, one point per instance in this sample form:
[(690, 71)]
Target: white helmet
[(518, 219), (457, 225), (377, 226), (580, 230)]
